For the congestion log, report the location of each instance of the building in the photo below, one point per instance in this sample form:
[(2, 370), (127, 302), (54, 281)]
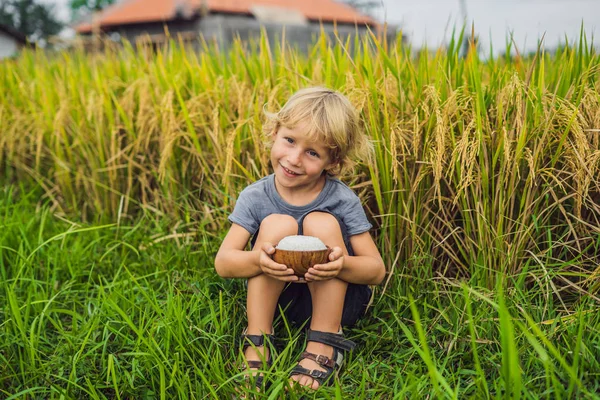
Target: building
[(223, 20), (11, 42)]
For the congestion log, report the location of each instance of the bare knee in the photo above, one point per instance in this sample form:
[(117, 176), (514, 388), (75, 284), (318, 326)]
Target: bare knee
[(275, 227), (280, 222), (320, 223), (275, 220)]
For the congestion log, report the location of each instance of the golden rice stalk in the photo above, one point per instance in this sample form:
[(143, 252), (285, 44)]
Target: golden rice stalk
[(170, 129), (577, 152), (437, 154), (466, 154)]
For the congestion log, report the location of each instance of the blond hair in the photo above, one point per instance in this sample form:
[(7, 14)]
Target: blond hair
[(331, 118)]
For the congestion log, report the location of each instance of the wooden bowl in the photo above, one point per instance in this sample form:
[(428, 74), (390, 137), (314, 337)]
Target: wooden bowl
[(301, 260)]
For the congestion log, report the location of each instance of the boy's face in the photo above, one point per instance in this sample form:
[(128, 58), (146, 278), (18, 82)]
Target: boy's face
[(296, 161)]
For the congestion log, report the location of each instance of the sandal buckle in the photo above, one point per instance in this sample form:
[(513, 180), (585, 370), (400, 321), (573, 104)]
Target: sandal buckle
[(325, 361)]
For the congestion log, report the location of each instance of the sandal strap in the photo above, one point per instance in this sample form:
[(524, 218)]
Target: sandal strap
[(257, 363), (320, 359), (335, 340), (320, 376), (256, 340)]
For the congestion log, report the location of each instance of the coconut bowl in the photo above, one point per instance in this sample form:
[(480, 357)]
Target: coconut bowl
[(301, 260)]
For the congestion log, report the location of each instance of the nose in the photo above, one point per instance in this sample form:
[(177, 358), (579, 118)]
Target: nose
[(294, 157)]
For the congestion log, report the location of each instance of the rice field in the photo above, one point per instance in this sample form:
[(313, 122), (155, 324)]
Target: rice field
[(118, 170)]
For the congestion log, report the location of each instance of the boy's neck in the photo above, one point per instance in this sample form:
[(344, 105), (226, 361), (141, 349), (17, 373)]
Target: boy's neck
[(304, 195)]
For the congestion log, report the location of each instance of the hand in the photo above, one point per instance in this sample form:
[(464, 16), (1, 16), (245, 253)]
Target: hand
[(322, 272), (273, 269)]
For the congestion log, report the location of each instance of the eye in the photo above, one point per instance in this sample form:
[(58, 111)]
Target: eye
[(289, 140), (313, 153)]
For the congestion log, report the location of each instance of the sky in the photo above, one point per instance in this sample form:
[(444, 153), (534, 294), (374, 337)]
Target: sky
[(431, 21)]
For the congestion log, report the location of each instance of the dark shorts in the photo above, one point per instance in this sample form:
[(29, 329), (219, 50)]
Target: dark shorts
[(296, 303)]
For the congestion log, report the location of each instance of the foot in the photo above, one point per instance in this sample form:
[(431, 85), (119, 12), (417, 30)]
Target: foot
[(306, 380), (254, 359), (257, 358), (257, 354)]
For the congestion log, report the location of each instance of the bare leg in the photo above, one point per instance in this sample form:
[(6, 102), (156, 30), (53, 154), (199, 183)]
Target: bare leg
[(327, 296), (264, 291)]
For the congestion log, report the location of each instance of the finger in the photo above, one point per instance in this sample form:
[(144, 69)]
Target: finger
[(267, 262), (316, 278), (278, 272), (330, 266), (336, 253), (290, 278), (317, 274), (268, 248), (270, 264)]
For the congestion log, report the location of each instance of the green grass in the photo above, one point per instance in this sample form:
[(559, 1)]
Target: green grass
[(134, 309), (117, 172)]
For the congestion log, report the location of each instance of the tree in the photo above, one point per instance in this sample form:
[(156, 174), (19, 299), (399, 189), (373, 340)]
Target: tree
[(81, 8), (34, 20)]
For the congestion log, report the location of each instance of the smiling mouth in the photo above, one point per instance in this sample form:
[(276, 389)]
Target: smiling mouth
[(289, 171)]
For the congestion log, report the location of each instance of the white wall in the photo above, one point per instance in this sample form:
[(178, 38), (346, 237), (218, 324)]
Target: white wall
[(8, 45)]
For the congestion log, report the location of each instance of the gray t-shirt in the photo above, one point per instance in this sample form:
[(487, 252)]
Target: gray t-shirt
[(261, 199)]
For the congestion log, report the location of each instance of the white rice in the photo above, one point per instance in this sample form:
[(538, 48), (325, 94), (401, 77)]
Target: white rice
[(301, 243)]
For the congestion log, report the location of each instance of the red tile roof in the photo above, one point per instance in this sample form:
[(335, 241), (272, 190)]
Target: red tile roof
[(138, 11)]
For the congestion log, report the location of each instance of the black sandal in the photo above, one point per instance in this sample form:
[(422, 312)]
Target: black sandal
[(331, 365), (257, 341)]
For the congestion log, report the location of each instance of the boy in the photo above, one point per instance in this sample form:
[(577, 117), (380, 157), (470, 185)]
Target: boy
[(314, 137)]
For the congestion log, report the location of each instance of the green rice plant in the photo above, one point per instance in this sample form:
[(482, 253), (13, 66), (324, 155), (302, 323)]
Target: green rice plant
[(481, 166)]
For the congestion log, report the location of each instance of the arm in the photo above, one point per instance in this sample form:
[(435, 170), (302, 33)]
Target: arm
[(232, 261), (365, 267)]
